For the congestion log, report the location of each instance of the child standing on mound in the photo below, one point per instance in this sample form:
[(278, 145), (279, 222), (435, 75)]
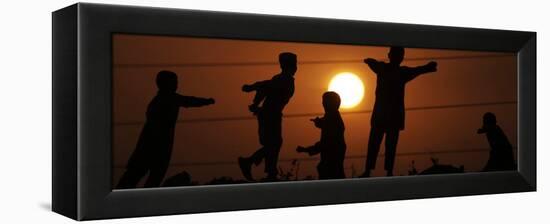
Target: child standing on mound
[(332, 145)]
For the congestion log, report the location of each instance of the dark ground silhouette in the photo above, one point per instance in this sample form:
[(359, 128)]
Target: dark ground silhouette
[(388, 116), (275, 94), (437, 168), (332, 145), (154, 146), (180, 179), (501, 156)]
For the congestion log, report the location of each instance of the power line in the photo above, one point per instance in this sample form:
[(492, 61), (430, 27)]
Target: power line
[(264, 63), (213, 163), (240, 118)]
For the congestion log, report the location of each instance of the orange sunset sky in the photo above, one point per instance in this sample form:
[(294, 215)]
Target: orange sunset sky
[(209, 139)]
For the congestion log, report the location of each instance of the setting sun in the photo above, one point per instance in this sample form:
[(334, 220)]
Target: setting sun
[(350, 88)]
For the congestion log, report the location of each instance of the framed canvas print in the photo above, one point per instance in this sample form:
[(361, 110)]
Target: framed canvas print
[(168, 111)]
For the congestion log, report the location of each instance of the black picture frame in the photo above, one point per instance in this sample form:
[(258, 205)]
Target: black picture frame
[(82, 67)]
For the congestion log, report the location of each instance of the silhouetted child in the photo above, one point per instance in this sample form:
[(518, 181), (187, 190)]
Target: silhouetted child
[(501, 156), (388, 115), (154, 146), (274, 95), (332, 145)]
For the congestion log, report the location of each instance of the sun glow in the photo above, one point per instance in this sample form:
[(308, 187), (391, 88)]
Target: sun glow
[(350, 88)]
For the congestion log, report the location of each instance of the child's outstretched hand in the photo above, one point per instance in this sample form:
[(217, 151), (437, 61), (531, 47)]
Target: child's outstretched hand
[(316, 121), (211, 101), (301, 149), (368, 60), (247, 88), (254, 108), (432, 66)]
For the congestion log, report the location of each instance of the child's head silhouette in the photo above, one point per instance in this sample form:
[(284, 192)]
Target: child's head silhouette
[(396, 55), (167, 81), (288, 62), (489, 123), (331, 101), (489, 119)]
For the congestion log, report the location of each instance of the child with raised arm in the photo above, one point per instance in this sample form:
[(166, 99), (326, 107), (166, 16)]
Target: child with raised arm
[(154, 146), (388, 115), (273, 95), (332, 145)]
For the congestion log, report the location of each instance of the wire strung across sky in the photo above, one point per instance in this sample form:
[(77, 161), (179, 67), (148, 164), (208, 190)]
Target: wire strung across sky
[(264, 63), (296, 115), (438, 152)]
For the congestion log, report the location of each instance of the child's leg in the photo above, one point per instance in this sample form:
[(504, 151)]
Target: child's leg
[(263, 135), (156, 175), (272, 141), (271, 159), (392, 137), (245, 163), (258, 156), (322, 172), (375, 139), (131, 177), (330, 171)]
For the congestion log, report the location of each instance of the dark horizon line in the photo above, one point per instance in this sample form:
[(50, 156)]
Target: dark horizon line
[(251, 117)]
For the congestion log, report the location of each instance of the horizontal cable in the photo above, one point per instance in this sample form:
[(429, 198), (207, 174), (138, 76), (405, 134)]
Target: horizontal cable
[(250, 117), (264, 63), (213, 163)]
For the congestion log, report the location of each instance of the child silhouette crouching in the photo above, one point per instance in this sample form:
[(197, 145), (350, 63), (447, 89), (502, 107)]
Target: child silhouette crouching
[(501, 156)]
